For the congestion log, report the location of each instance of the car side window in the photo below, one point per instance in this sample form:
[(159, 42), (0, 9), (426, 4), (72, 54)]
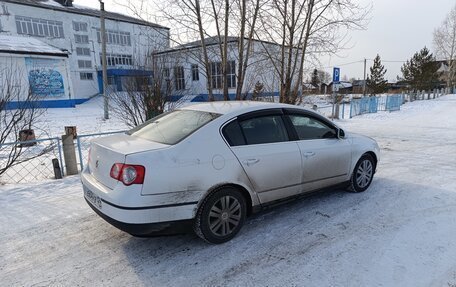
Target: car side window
[(233, 134), (264, 129), (309, 128)]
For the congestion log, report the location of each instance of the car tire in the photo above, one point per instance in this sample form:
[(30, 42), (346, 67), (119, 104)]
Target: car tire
[(363, 173), (221, 215)]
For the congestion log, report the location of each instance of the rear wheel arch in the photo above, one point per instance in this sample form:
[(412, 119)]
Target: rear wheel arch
[(245, 193), (221, 213)]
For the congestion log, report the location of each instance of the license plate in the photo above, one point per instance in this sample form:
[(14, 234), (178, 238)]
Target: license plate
[(95, 200)]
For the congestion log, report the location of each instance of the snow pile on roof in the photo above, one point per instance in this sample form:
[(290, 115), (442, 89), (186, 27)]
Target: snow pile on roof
[(342, 85), (27, 45), (52, 3)]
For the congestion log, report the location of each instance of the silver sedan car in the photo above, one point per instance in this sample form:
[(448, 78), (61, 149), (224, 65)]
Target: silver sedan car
[(207, 167)]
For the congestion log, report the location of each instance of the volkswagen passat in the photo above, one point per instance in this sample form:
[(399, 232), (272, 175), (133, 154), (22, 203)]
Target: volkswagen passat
[(208, 166)]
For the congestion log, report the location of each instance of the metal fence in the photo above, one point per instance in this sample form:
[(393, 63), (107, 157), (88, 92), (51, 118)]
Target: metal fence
[(83, 145), (34, 161), (327, 110), (394, 102), (363, 106)]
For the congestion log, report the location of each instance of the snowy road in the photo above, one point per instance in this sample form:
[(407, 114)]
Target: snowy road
[(401, 232)]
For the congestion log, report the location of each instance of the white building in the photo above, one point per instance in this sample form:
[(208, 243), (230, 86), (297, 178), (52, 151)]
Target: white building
[(75, 29), (183, 69)]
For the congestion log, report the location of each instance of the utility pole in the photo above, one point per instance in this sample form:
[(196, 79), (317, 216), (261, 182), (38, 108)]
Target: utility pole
[(364, 82), (103, 60)]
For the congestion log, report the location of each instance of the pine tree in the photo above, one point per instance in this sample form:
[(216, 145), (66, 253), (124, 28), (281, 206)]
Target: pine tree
[(421, 70), (315, 80), (376, 81)]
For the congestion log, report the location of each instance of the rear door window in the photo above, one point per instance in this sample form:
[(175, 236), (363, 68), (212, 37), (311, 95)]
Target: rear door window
[(264, 129)]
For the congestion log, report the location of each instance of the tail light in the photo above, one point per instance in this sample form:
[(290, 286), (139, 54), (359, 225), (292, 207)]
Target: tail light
[(128, 174)]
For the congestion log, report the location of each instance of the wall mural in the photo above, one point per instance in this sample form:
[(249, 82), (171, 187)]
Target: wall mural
[(45, 77)]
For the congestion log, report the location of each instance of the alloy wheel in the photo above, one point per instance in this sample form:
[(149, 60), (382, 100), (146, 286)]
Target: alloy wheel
[(364, 173), (224, 216)]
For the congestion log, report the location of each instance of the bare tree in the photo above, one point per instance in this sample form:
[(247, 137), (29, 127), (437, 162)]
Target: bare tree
[(248, 11), (324, 76), (190, 19), (143, 97), (297, 27), (445, 45), (300, 27), (202, 19), (15, 119), (222, 38)]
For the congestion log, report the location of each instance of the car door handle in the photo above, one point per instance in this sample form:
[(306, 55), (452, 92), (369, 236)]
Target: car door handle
[(309, 153), (251, 161)]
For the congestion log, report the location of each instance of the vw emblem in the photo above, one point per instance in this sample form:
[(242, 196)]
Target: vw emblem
[(96, 164)]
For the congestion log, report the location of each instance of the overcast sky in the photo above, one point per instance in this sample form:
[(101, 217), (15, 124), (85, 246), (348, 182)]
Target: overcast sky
[(397, 29)]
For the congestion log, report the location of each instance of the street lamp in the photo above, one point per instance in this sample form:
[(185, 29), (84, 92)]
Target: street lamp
[(103, 59)]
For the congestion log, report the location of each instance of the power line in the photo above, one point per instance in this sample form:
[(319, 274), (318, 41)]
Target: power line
[(341, 65), (361, 61), (388, 61)]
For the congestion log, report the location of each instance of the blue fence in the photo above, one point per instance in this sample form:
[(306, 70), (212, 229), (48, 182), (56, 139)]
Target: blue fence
[(363, 106), (394, 102), (374, 104)]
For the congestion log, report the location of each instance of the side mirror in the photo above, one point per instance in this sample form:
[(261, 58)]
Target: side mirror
[(340, 134)]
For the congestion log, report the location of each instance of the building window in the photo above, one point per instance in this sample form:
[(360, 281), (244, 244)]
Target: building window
[(166, 73), (84, 64), (179, 78), (80, 26), (5, 10), (82, 51), (81, 39), (118, 59), (195, 73), (115, 37), (231, 74), (39, 27), (216, 74), (86, 76)]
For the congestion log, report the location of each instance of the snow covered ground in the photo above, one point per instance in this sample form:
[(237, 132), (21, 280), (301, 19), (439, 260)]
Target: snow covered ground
[(400, 232)]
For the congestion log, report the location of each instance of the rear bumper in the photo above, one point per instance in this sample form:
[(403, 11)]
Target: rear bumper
[(148, 229), (137, 214)]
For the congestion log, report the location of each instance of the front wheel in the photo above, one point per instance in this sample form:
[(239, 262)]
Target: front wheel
[(221, 216), (362, 174)]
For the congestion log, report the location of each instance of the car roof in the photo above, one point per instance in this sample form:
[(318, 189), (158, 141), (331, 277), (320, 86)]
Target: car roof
[(235, 107)]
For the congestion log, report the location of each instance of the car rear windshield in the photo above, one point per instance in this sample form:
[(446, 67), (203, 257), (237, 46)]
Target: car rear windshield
[(172, 127)]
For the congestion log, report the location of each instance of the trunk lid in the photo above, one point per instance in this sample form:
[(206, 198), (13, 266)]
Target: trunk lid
[(106, 151)]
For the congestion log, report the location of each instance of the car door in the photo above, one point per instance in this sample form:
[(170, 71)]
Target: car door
[(260, 141), (325, 157)]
